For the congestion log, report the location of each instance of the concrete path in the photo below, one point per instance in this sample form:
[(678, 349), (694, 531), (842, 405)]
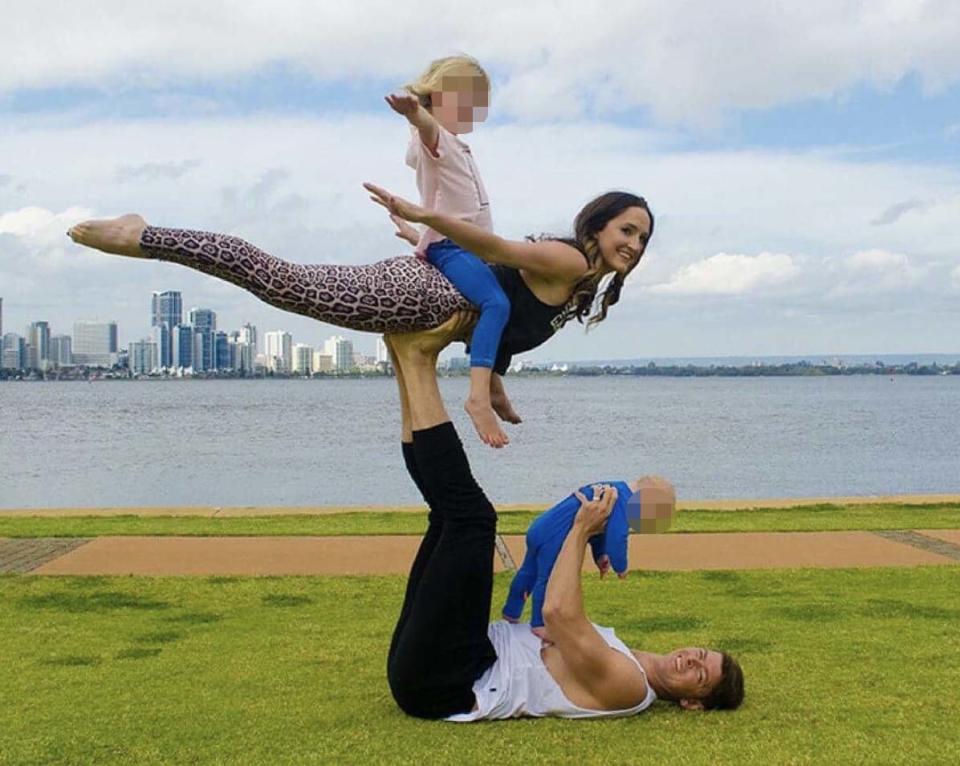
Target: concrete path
[(356, 555)]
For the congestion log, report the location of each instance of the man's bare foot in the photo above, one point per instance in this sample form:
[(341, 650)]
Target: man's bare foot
[(120, 236), (504, 409), (485, 421)]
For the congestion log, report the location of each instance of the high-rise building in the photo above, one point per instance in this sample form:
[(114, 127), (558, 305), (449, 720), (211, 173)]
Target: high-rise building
[(248, 335), (278, 351), (383, 355), (221, 351), (166, 313), (181, 345), (95, 343), (322, 362), (204, 323), (342, 352), (143, 357), (241, 353), (13, 352), (303, 359), (61, 351), (38, 345)]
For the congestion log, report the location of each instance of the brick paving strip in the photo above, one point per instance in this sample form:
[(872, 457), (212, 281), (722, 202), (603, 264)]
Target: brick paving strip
[(392, 554), (935, 541), (21, 556)]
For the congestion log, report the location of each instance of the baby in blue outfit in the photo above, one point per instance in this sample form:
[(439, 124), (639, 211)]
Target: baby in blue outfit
[(545, 539), (646, 505)]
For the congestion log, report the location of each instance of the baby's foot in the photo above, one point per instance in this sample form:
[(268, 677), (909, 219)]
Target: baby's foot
[(504, 409), (485, 421), (120, 236)]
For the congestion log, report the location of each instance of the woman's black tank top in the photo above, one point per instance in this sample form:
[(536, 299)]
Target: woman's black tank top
[(531, 320)]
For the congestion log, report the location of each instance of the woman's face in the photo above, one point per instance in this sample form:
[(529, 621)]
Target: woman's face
[(623, 240)]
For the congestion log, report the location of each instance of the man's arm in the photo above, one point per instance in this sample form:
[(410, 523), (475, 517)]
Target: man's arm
[(603, 671)]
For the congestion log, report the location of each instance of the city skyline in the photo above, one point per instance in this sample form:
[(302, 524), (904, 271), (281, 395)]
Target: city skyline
[(175, 344), (19, 325)]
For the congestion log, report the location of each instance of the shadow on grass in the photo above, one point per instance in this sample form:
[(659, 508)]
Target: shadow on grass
[(893, 608), (137, 653), (737, 646), (158, 638), (280, 600), (195, 618), (720, 575), (71, 661), (662, 624), (95, 602), (810, 613)]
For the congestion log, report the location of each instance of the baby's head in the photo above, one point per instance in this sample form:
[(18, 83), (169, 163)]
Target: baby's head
[(455, 90), (652, 506)]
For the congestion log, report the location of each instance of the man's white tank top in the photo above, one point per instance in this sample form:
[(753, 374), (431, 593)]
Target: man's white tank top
[(519, 684)]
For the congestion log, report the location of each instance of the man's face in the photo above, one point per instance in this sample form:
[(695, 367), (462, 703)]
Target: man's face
[(690, 674)]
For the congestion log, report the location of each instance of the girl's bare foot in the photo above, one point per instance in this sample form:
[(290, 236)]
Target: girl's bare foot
[(504, 409), (120, 236), (485, 421)]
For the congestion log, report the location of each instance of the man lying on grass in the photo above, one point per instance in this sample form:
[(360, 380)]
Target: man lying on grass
[(446, 661)]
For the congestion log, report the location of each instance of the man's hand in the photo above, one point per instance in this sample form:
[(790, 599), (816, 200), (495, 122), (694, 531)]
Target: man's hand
[(396, 206), (593, 514)]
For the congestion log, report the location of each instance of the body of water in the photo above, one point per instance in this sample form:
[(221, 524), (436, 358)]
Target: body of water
[(320, 442)]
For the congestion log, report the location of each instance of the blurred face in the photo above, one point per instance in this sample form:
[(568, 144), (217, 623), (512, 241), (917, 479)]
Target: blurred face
[(462, 101), (623, 240), (690, 674)]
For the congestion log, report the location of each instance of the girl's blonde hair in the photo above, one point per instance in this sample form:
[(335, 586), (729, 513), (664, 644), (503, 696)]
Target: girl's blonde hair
[(450, 66)]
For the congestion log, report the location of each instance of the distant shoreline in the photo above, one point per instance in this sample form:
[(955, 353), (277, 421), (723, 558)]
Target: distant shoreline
[(651, 369)]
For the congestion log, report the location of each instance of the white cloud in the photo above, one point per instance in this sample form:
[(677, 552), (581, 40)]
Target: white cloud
[(874, 271), (730, 274), (689, 61), (38, 227)]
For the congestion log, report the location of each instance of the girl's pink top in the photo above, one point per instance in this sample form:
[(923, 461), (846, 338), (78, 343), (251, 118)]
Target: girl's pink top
[(449, 183)]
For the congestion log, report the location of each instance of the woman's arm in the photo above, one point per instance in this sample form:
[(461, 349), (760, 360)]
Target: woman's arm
[(550, 260)]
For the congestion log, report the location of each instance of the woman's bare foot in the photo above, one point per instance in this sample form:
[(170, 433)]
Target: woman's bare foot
[(504, 409), (485, 421), (120, 236)]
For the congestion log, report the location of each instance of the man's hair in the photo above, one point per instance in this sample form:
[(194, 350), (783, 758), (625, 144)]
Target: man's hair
[(728, 693)]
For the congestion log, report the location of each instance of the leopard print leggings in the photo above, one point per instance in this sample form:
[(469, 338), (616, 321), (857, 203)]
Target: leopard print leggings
[(401, 294)]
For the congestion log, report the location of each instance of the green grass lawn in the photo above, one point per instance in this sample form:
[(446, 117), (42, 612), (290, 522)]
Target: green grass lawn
[(842, 667), (802, 518)]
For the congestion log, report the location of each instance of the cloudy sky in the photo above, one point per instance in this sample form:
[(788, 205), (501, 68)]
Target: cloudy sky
[(801, 158)]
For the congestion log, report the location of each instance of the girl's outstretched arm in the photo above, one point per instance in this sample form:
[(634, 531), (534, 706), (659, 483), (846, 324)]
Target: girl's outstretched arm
[(426, 124)]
